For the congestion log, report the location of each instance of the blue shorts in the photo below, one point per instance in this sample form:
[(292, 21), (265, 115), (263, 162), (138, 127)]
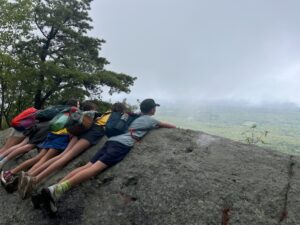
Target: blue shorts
[(55, 141), (111, 153)]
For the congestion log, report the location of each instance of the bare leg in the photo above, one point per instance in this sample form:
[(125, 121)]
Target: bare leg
[(36, 171), (13, 148), (80, 146), (72, 142), (49, 154), (11, 141), (28, 163), (87, 173), (19, 151), (75, 171)]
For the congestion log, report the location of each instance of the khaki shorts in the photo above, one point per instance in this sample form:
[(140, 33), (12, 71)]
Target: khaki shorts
[(15, 133)]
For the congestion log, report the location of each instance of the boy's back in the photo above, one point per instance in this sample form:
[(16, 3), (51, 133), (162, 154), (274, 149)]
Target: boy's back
[(137, 129)]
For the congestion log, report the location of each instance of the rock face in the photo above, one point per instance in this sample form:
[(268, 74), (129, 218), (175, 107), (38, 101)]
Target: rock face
[(177, 177)]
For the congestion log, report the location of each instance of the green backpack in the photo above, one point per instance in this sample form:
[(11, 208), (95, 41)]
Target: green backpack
[(61, 119), (80, 121)]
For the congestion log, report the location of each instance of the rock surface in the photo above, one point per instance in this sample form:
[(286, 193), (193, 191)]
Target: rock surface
[(176, 177)]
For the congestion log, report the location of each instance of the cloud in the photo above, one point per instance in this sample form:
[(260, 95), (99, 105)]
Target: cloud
[(239, 50)]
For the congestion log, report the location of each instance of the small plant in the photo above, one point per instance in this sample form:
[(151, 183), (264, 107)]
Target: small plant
[(253, 136)]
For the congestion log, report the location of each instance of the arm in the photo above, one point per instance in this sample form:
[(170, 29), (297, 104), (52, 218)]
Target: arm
[(166, 125)]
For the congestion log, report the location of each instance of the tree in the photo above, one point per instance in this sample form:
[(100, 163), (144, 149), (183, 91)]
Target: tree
[(59, 58), (14, 25)]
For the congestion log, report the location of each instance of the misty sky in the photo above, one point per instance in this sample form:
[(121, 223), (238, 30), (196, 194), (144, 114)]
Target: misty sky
[(195, 49)]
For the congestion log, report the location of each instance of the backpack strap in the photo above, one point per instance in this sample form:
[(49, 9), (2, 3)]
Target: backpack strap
[(131, 130), (137, 139)]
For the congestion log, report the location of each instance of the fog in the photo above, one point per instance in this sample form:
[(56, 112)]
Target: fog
[(194, 50)]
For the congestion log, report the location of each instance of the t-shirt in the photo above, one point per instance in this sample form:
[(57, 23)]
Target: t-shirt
[(140, 127)]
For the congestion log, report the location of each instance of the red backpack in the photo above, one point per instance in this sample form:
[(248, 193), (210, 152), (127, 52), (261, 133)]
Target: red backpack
[(24, 120)]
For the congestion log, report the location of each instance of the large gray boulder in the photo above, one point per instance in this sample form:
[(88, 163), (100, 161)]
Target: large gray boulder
[(177, 177)]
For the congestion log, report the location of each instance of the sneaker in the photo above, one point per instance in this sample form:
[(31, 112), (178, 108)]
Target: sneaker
[(22, 188), (49, 200), (37, 200), (21, 179), (29, 186), (6, 176), (12, 185)]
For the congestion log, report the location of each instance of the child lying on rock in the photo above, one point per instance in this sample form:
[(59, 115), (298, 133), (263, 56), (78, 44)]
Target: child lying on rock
[(28, 182), (35, 136), (114, 150), (54, 144)]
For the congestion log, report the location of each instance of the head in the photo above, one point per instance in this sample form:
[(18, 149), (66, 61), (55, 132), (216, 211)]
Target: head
[(89, 106), (72, 102), (118, 107), (148, 106)]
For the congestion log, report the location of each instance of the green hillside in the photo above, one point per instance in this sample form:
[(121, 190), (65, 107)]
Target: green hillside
[(283, 124)]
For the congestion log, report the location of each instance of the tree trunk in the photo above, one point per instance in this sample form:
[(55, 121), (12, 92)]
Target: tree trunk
[(2, 102), (38, 100)]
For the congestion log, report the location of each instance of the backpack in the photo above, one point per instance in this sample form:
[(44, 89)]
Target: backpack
[(80, 121), (50, 112), (102, 120), (25, 120), (59, 121), (118, 123)]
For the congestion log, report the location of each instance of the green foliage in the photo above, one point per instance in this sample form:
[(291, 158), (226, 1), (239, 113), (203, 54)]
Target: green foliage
[(47, 56), (63, 57), (102, 106)]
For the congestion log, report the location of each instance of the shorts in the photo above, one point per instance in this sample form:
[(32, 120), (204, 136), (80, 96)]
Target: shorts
[(16, 133), (55, 141), (111, 153), (93, 135), (38, 133)]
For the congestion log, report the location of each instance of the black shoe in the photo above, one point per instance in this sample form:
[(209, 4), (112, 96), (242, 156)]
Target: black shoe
[(37, 200), (12, 185), (48, 201)]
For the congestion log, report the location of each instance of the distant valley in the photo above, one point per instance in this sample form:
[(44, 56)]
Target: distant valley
[(234, 121)]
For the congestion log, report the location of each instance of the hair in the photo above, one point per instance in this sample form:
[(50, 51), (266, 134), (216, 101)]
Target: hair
[(71, 102), (146, 111), (88, 106), (118, 107)]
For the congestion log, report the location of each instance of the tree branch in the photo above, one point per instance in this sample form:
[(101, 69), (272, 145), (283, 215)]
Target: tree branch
[(39, 27)]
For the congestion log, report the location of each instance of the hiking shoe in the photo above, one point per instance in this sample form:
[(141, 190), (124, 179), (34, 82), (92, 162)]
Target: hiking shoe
[(49, 200), (21, 179), (29, 186), (23, 187), (12, 185), (37, 200), (6, 176)]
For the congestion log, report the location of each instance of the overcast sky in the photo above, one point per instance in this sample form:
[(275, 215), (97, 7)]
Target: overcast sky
[(195, 49)]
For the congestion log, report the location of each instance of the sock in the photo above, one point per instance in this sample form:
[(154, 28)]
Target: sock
[(57, 190), (52, 187)]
